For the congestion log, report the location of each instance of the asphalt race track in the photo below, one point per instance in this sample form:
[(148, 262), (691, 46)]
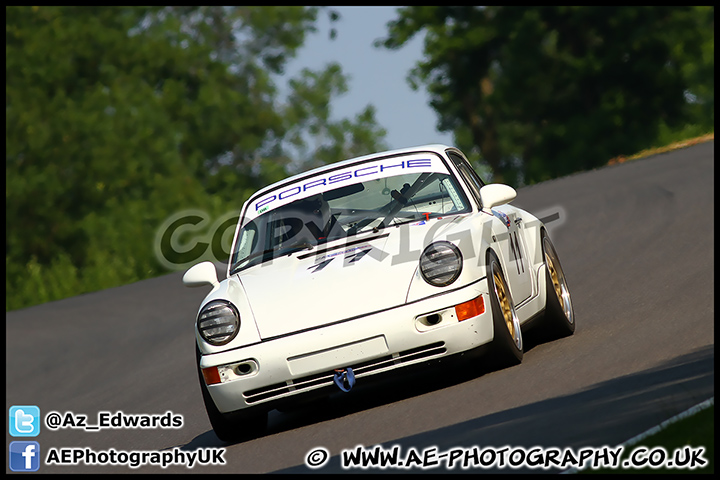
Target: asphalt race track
[(636, 243)]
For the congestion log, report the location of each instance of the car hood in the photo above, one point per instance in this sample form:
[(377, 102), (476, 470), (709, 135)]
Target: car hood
[(330, 284)]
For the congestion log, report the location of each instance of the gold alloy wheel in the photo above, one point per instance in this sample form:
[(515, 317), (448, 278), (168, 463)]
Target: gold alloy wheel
[(558, 279), (555, 281), (508, 312)]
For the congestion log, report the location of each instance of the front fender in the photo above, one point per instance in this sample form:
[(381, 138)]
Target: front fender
[(231, 290), (472, 235)]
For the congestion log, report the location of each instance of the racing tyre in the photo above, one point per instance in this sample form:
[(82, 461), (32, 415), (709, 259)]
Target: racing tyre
[(507, 345), (559, 317), (231, 427)]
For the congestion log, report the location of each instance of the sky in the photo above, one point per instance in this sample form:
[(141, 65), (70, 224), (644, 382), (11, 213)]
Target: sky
[(376, 76)]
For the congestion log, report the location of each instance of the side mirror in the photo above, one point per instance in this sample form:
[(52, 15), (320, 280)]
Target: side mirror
[(496, 194), (201, 274)]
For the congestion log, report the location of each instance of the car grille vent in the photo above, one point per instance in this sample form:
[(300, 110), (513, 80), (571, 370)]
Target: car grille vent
[(376, 365)]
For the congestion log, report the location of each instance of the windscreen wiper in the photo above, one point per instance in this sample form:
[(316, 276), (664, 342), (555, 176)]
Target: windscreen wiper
[(402, 198), (296, 248)]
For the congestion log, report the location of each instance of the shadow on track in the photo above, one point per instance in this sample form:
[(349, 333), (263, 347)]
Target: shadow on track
[(606, 414), (380, 390)]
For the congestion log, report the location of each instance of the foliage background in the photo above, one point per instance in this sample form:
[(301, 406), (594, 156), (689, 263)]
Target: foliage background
[(119, 117)]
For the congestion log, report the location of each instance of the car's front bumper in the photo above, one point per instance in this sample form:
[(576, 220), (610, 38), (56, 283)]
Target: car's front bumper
[(300, 363)]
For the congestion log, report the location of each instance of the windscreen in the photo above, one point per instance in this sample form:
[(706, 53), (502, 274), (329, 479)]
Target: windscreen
[(369, 197)]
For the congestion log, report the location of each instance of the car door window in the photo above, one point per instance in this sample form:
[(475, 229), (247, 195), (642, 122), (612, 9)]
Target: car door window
[(471, 178)]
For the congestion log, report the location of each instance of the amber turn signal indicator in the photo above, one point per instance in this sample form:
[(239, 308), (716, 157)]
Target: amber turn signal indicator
[(470, 309), (211, 375)]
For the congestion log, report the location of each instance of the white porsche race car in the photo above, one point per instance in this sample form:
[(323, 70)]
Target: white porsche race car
[(369, 266)]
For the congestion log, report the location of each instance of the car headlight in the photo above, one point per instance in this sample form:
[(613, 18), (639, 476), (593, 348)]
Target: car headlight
[(440, 264), (218, 322)]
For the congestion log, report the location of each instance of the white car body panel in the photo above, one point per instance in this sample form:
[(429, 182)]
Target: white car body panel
[(294, 294), (397, 327), (361, 301)]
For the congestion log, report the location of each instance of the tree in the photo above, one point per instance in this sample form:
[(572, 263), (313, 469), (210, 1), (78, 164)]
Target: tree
[(699, 70), (540, 92), (118, 117)]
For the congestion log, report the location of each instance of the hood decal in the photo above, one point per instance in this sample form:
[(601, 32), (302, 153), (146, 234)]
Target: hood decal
[(352, 255), (343, 245), (300, 292)]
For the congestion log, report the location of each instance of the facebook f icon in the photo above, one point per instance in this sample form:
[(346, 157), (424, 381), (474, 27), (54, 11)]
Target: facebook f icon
[(24, 456), (24, 421)]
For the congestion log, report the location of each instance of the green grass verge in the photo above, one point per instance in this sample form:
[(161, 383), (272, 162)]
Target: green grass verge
[(695, 431)]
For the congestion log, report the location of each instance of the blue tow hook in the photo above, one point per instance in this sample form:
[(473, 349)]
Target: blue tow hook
[(344, 378)]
